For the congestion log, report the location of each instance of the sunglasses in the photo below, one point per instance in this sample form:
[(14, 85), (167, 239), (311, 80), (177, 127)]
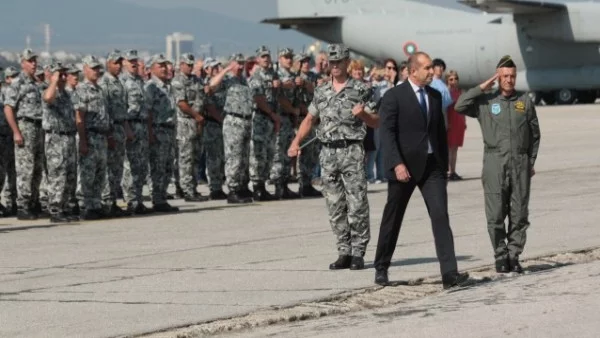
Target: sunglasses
[(453, 79), (390, 67)]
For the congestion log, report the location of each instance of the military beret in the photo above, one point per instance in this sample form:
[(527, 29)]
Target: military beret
[(91, 61), (11, 72), (337, 52), (115, 55), (187, 58), (286, 51), (28, 54), (263, 50), (238, 57), (158, 58), (506, 61)]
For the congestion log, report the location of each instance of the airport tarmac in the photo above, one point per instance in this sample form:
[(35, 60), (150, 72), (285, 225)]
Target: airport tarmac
[(214, 261)]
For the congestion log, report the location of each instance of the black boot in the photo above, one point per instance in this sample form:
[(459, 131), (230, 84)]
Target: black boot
[(245, 192), (283, 192), (237, 198), (218, 195), (261, 193), (502, 265), (59, 217), (26, 215), (515, 266), (310, 191), (343, 262), (358, 263)]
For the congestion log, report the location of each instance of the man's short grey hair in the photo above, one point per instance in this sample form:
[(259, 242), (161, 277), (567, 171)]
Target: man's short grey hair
[(413, 61)]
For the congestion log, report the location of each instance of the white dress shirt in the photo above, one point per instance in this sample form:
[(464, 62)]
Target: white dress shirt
[(416, 91)]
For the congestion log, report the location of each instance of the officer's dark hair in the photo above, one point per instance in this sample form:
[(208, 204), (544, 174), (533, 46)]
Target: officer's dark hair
[(439, 62), (506, 62)]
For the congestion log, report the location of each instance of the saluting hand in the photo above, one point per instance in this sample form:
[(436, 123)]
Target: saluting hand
[(487, 85)]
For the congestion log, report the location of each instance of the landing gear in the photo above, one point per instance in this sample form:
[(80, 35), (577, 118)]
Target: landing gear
[(565, 96)]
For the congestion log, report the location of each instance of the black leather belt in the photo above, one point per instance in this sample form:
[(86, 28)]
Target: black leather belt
[(30, 120), (341, 143), (56, 132), (245, 117)]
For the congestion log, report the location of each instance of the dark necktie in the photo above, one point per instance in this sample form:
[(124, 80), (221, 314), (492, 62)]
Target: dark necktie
[(422, 102)]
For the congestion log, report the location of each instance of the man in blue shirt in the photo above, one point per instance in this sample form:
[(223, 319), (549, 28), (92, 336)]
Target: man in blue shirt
[(439, 67)]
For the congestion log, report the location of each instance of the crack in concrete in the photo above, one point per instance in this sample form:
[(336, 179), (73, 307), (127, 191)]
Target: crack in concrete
[(368, 298)]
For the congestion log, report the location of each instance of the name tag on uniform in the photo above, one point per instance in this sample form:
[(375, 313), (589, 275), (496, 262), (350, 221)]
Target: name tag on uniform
[(496, 109)]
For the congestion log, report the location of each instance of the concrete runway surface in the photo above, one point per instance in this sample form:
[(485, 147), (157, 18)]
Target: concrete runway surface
[(215, 261)]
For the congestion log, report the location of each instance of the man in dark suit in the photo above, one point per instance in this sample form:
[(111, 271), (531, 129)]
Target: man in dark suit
[(415, 152)]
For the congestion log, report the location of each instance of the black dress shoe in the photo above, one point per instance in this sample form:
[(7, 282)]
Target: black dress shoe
[(381, 277), (502, 265), (358, 263), (454, 279), (343, 262), (515, 266)]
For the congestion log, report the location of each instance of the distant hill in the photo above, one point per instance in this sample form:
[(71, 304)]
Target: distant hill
[(97, 26)]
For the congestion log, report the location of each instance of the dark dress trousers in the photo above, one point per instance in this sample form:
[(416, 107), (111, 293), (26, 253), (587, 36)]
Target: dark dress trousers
[(407, 129)]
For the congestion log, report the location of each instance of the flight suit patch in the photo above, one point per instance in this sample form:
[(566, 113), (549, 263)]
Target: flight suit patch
[(520, 107), (496, 109)]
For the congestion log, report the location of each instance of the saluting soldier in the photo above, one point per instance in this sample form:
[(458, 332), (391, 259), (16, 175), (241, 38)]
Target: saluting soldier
[(344, 107), (120, 132), (23, 109), (60, 131), (511, 138), (161, 112), (93, 126), (237, 127)]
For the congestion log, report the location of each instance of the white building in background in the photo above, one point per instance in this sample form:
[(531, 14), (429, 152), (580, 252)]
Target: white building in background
[(177, 44)]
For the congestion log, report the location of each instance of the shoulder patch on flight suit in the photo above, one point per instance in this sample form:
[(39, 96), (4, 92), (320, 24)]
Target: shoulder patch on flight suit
[(520, 107), (496, 109)]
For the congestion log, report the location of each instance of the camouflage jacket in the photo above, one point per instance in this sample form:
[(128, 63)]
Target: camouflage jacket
[(115, 97), (261, 83), (91, 101), (24, 96), (335, 111), (60, 115), (188, 89), (291, 93), (219, 96), (302, 95), (3, 123), (238, 96), (160, 102), (134, 93)]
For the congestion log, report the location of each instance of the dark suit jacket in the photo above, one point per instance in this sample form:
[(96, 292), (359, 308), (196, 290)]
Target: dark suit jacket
[(404, 131)]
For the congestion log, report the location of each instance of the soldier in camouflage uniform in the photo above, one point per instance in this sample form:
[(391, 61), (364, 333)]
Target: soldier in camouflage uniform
[(189, 98), (58, 122), (93, 126), (280, 171), (161, 112), (23, 108), (8, 154), (310, 154), (266, 123), (343, 107), (137, 150), (4, 134), (120, 133), (237, 127)]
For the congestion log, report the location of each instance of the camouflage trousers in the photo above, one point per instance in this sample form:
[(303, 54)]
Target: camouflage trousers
[(345, 190), (115, 160), (135, 167), (309, 157), (29, 164), (8, 177), (215, 155), (161, 162), (92, 171), (237, 133), (262, 147), (280, 171), (188, 144), (61, 170)]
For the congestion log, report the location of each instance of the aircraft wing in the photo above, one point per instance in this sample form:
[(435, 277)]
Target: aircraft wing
[(287, 22), (514, 6)]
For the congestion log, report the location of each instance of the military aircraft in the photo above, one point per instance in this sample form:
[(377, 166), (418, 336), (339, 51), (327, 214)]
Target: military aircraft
[(556, 46)]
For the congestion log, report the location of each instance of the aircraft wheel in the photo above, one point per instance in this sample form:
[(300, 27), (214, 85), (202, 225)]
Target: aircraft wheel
[(565, 96)]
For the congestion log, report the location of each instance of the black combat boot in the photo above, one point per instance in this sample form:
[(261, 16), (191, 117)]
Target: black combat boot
[(236, 197), (261, 193), (283, 192), (514, 265), (218, 195), (195, 198), (310, 191), (26, 215), (343, 262), (165, 207), (59, 217), (502, 265), (358, 263)]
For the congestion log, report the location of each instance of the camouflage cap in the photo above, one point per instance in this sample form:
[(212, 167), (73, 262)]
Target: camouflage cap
[(187, 58), (39, 71), (11, 72), (208, 62), (58, 67), (158, 58), (28, 54), (115, 55), (131, 54), (263, 50), (286, 51), (301, 57), (237, 57), (72, 69), (338, 52), (91, 61)]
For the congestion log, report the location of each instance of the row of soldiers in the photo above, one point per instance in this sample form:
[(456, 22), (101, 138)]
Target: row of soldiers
[(122, 129)]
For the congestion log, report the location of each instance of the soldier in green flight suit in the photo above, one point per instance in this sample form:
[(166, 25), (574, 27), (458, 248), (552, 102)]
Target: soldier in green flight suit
[(511, 137)]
